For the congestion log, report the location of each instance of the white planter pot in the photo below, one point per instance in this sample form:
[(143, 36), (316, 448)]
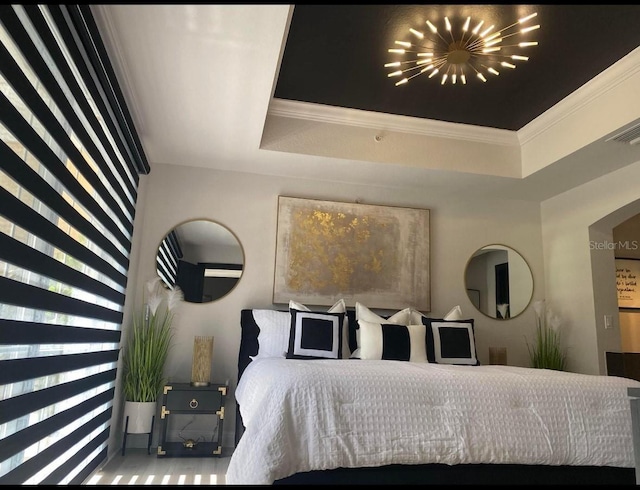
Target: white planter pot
[(140, 416)]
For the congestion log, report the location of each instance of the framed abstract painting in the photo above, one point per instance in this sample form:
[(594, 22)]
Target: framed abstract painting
[(376, 255)]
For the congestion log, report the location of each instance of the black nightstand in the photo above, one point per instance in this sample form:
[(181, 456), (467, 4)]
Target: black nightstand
[(196, 411)]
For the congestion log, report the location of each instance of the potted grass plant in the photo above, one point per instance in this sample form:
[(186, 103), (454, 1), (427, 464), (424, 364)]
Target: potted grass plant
[(547, 351), (145, 353)]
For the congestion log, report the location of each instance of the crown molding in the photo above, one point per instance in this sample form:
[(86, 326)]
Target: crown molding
[(604, 82), (390, 122), (598, 86), (112, 41)]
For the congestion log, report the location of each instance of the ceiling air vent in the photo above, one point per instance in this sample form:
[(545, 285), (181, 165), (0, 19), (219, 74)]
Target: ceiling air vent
[(631, 136)]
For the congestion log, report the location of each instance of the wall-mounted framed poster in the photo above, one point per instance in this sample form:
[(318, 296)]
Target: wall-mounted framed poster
[(627, 274)]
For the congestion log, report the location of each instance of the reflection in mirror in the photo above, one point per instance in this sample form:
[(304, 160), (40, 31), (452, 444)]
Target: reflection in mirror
[(203, 258), (499, 281)]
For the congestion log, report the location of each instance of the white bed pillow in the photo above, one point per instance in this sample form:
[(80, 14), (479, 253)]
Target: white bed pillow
[(454, 313), (339, 307), (392, 341), (273, 338), (402, 317)]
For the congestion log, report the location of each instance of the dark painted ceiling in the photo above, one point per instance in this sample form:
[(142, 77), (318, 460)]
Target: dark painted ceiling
[(335, 55)]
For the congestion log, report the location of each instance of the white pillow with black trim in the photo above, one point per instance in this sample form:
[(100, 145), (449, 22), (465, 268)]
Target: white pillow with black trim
[(451, 342), (338, 307), (392, 342), (402, 317), (315, 335)]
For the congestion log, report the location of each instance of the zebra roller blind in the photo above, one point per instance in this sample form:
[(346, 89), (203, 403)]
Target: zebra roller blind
[(69, 169)]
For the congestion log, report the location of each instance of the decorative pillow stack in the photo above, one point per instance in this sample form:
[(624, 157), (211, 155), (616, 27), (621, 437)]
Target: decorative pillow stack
[(407, 335), (291, 333)]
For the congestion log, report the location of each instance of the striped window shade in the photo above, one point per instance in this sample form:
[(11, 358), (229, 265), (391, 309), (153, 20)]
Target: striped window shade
[(69, 169)]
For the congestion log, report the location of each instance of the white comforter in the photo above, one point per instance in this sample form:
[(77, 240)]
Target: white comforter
[(303, 415)]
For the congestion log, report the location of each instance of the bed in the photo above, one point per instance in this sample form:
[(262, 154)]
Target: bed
[(369, 421)]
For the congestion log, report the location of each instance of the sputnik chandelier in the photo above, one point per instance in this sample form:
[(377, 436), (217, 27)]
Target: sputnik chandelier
[(460, 52)]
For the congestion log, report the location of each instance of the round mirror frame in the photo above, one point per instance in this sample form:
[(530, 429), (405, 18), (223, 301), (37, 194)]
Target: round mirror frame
[(475, 301), (214, 275)]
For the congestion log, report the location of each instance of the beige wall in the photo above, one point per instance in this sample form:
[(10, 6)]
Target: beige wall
[(626, 244), (247, 204), (579, 275), (578, 282)]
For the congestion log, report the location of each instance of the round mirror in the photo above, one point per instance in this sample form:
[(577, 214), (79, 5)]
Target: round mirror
[(499, 282), (202, 257)]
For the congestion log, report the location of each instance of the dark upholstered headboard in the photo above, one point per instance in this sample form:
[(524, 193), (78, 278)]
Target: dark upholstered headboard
[(249, 331)]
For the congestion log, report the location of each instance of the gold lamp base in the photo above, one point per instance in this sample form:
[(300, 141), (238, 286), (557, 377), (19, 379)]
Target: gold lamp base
[(201, 366), (200, 383)]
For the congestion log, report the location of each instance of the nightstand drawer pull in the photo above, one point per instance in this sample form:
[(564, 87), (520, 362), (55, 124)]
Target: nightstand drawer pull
[(193, 403)]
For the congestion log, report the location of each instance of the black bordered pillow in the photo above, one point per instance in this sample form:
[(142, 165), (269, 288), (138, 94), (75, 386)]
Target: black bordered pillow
[(451, 342), (315, 335), (338, 307), (392, 342)]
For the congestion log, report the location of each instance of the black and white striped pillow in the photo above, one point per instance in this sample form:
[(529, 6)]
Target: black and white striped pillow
[(315, 335), (402, 317), (392, 341)]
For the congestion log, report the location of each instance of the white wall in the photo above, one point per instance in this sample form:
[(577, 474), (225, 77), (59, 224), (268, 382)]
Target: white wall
[(580, 277), (247, 204), (519, 281)]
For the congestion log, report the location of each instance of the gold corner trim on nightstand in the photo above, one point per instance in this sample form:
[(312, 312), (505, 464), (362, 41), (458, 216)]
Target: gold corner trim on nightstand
[(220, 413), (161, 452), (167, 389), (164, 412), (223, 390), (218, 451)]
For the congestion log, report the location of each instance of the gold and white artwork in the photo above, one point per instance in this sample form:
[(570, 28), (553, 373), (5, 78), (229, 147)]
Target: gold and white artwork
[(377, 255)]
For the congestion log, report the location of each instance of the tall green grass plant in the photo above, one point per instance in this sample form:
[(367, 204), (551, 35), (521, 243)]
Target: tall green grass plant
[(547, 351), (148, 343)]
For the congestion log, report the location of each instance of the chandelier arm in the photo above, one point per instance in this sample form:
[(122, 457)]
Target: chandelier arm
[(512, 34), (468, 51), (472, 42)]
